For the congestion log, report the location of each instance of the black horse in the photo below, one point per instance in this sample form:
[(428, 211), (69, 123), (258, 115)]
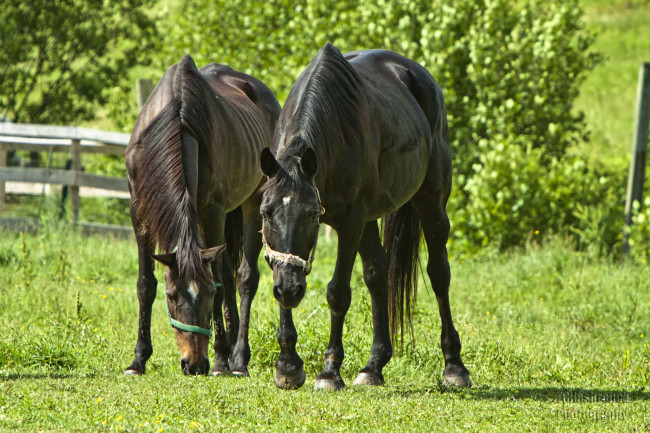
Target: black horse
[(194, 177), (361, 136)]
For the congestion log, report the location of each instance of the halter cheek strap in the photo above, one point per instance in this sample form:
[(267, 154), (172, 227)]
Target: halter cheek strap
[(191, 328), (276, 257)]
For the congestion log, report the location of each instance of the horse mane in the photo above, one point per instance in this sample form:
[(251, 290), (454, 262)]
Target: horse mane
[(165, 187), (329, 111)]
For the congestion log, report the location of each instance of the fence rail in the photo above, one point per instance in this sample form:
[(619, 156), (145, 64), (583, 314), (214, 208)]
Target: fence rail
[(73, 140)]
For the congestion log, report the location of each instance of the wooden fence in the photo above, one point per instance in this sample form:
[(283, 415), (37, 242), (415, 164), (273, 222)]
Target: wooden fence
[(74, 141)]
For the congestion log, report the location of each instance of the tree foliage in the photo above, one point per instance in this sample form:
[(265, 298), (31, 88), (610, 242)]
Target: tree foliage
[(61, 57)]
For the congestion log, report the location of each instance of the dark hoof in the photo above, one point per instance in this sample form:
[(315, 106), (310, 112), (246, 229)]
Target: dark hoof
[(461, 381), (241, 373), (220, 372), (368, 379), (132, 372), (329, 383), (290, 381)]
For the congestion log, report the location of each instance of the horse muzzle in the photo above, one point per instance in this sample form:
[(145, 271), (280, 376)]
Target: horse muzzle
[(289, 286)]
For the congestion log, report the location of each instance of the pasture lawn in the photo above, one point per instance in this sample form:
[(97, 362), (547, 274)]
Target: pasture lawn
[(608, 96), (554, 341)]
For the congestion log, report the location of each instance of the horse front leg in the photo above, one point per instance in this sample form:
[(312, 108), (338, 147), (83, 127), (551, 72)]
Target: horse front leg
[(146, 288), (339, 298), (289, 371)]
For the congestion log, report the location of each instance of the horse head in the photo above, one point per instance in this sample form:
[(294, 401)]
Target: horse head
[(190, 306), (290, 218)]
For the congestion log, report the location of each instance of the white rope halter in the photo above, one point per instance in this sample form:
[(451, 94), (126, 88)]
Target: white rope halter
[(277, 257)]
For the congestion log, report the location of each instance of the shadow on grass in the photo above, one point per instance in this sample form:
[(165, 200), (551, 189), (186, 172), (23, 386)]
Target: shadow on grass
[(548, 394), (32, 376)]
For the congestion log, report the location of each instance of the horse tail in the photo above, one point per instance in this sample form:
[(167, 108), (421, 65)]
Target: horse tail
[(401, 232), (164, 187), (234, 236)]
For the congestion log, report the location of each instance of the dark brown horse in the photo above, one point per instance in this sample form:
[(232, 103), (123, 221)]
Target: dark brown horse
[(194, 176), (361, 136)]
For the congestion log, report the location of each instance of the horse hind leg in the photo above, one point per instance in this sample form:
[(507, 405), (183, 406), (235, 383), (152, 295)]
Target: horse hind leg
[(248, 277), (375, 275), (435, 225)]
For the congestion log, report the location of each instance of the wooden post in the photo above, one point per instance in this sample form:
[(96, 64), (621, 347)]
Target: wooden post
[(75, 156), (3, 163), (636, 176), (143, 88)]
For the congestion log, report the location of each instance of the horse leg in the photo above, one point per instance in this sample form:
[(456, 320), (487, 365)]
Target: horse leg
[(212, 222), (248, 277), (289, 371), (146, 288), (338, 299), (435, 225), (375, 275)]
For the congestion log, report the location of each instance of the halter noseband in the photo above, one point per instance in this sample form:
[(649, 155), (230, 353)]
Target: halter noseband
[(191, 328), (277, 257)]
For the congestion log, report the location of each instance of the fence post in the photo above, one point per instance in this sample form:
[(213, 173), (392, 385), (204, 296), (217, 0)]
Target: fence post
[(143, 88), (636, 176), (3, 163), (75, 156)]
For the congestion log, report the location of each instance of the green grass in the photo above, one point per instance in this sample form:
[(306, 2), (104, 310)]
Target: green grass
[(608, 96), (547, 334)]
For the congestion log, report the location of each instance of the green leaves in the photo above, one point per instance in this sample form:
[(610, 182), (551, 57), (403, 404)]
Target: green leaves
[(58, 56)]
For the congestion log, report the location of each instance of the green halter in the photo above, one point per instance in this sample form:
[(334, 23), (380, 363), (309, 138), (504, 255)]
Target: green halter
[(191, 328)]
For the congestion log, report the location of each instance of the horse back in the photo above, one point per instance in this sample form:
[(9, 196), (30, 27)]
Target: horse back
[(410, 133), (249, 112)]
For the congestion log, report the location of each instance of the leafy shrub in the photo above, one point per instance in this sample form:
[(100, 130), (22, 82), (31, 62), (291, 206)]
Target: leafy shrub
[(519, 193), (639, 232)]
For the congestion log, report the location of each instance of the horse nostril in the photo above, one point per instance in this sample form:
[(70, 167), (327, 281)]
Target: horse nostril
[(277, 292), (184, 365)]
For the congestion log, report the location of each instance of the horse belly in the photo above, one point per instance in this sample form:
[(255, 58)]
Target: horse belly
[(401, 175)]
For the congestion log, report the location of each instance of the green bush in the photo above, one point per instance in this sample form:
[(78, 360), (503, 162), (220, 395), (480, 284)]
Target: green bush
[(639, 232), (518, 193)]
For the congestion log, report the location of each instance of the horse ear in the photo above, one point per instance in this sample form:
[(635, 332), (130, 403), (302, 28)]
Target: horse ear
[(269, 164), (168, 260), (208, 255), (308, 163)]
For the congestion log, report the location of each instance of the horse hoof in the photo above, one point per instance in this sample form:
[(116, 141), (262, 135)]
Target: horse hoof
[(220, 373), (336, 384), (367, 379), (241, 373), (290, 381), (131, 372), (462, 381)]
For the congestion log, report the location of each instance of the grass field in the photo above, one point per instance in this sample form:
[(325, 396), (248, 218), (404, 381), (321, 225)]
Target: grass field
[(554, 342)]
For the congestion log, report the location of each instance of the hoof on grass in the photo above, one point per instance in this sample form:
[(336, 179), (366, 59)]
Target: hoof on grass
[(367, 379), (462, 381), (241, 373), (329, 384), (220, 372), (290, 381)]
